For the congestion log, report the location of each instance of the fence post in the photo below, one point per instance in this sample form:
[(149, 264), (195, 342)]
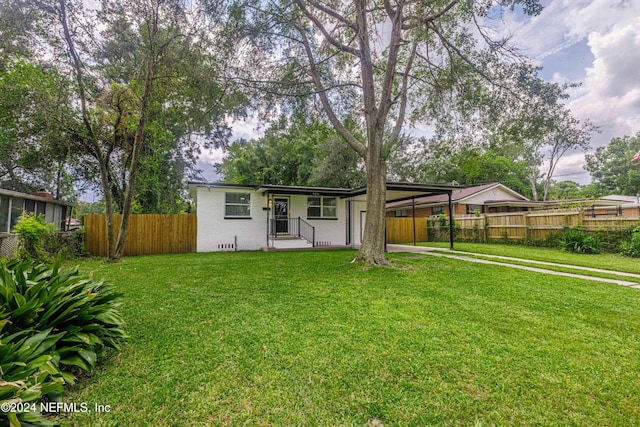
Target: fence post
[(580, 216)]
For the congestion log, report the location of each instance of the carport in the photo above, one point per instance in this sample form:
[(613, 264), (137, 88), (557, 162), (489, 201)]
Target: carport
[(403, 191)]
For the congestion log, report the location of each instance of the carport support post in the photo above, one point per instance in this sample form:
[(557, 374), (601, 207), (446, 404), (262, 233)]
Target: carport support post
[(413, 214), (450, 221)]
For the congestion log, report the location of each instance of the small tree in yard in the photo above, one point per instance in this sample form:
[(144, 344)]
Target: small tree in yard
[(386, 63), (148, 81)]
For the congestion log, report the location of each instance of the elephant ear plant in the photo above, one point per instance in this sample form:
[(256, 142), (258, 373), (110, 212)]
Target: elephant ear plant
[(54, 323)]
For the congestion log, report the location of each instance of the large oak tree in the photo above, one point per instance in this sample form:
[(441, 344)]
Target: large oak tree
[(386, 62)]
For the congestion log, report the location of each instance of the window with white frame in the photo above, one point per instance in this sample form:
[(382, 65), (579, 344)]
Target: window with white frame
[(401, 213), (237, 205), (321, 207), (437, 210)]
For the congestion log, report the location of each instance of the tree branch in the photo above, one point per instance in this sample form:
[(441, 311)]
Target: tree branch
[(333, 14), (337, 124), (333, 41), (392, 61), (395, 134)]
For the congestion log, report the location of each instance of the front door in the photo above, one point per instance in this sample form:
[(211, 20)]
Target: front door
[(281, 214)]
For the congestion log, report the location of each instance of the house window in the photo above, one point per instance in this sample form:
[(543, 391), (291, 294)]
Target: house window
[(472, 209), (30, 206), (237, 205), (401, 213), (437, 210), (321, 207), (17, 206), (4, 214), (41, 208)]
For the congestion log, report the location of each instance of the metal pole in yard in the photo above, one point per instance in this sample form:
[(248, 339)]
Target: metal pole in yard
[(450, 221), (413, 214)]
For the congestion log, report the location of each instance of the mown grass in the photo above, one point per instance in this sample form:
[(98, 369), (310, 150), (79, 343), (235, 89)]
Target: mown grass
[(555, 267), (558, 267), (307, 338), (615, 262)]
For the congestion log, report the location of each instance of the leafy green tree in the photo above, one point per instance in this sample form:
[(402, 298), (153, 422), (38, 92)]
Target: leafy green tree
[(534, 126), (336, 165), (35, 147), (477, 167), (440, 162), (292, 152), (17, 22), (148, 89), (565, 190), (283, 156), (611, 167), (384, 78)]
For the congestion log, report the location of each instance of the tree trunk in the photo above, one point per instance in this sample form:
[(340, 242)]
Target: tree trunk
[(534, 190), (545, 194), (133, 166), (108, 211), (373, 240)]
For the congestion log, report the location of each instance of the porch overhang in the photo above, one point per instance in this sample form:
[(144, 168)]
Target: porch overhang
[(306, 191), (401, 191)]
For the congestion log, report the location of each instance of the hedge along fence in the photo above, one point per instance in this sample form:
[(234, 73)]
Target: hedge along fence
[(528, 226), (148, 234)]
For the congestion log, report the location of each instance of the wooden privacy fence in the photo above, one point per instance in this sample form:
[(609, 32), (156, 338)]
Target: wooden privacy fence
[(400, 230), (148, 234), (531, 225)]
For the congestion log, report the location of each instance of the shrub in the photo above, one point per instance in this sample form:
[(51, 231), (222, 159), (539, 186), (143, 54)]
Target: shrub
[(33, 232), (577, 240), (42, 242), (30, 372), (631, 247), (442, 220), (53, 322)]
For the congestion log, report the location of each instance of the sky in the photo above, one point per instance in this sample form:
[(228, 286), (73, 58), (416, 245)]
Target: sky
[(595, 43)]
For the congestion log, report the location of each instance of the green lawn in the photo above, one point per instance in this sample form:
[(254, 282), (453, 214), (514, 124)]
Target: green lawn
[(615, 262), (307, 338)]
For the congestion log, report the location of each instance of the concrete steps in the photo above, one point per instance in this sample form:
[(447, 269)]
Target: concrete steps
[(289, 242)]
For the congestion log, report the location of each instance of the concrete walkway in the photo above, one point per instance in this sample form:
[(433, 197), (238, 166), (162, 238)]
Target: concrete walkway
[(463, 256)]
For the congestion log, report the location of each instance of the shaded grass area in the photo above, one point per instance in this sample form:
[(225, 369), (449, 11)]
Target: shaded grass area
[(307, 338), (614, 262)]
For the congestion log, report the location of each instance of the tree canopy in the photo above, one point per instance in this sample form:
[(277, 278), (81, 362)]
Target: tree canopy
[(612, 169), (386, 64), (297, 152), (145, 91)]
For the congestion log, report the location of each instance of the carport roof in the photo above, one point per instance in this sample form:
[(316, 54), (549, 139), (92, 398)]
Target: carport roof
[(396, 191)]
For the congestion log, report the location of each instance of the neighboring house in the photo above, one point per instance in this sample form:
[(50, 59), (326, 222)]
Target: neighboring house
[(626, 205), (13, 204), (248, 217), (498, 198), (486, 198)]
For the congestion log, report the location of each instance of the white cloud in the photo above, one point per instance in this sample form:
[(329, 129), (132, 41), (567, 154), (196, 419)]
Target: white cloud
[(241, 129), (611, 92), (212, 156), (564, 23)]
